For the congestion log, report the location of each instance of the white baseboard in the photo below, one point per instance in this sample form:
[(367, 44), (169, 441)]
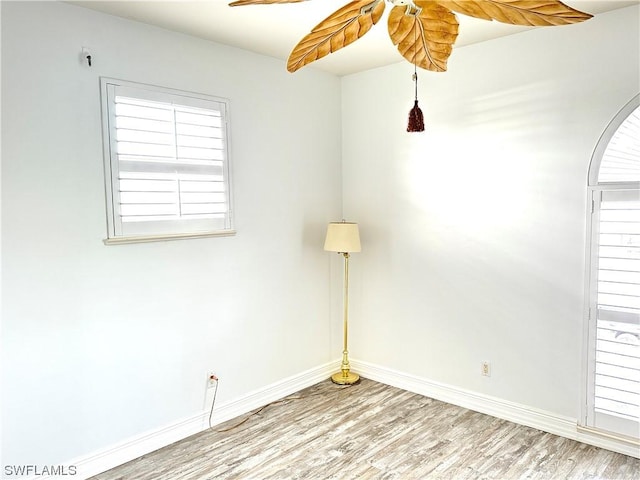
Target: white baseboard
[(132, 448), (522, 414)]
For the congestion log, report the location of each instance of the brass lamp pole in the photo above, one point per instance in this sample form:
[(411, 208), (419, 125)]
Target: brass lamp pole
[(343, 237)]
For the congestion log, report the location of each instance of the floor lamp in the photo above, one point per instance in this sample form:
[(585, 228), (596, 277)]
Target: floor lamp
[(344, 238)]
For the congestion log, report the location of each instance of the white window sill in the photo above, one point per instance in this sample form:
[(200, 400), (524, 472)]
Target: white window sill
[(162, 238)]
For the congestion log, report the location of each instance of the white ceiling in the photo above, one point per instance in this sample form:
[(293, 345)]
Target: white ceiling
[(274, 30)]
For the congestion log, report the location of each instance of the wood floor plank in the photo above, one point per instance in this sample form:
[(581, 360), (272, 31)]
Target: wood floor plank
[(373, 431)]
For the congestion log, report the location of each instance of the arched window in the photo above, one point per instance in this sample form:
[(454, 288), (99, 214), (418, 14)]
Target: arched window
[(613, 287)]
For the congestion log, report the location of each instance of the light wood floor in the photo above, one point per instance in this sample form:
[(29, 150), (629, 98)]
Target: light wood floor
[(373, 431)]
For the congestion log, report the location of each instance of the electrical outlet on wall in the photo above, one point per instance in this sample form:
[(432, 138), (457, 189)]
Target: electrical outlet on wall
[(485, 369), (212, 380), (210, 391)]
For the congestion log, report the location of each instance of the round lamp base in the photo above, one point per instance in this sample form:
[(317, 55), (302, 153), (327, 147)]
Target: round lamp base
[(349, 379)]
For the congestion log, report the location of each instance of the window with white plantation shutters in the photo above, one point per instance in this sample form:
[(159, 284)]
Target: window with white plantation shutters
[(166, 163), (613, 372), (617, 310)]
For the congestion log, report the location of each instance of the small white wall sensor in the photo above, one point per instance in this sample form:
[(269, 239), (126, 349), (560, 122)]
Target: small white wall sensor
[(86, 55)]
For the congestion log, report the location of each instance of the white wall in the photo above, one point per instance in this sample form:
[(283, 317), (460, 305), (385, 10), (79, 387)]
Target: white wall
[(103, 343), (473, 232)]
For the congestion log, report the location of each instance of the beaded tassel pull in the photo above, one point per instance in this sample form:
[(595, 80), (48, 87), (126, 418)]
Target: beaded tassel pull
[(416, 119)]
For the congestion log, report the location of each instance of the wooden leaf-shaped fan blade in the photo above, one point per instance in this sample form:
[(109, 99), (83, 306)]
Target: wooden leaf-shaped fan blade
[(338, 30), (240, 3), (424, 37), (538, 13)]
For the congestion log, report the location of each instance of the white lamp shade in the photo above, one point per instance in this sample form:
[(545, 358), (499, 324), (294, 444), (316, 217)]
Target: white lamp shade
[(342, 237)]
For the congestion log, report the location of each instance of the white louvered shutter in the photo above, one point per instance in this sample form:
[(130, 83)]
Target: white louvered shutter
[(616, 388), (620, 159), (168, 162)]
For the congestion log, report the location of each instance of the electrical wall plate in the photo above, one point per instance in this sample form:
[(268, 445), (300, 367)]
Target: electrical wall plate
[(212, 380)]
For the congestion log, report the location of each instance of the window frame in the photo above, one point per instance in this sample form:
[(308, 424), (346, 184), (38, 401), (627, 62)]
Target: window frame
[(590, 420), (173, 229)]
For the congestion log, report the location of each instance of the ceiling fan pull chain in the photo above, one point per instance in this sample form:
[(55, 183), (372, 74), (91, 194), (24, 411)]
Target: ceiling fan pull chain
[(416, 119)]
